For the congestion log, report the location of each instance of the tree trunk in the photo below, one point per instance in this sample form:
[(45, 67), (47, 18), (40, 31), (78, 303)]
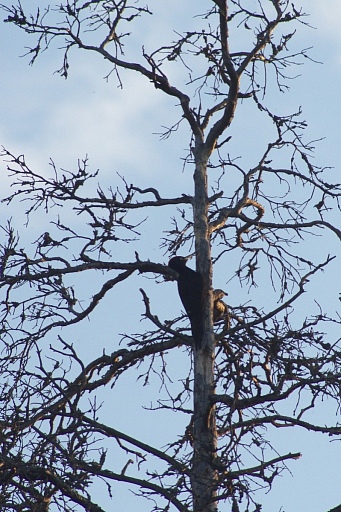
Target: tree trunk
[(205, 436)]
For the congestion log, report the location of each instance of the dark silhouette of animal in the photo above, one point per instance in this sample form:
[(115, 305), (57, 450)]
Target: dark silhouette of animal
[(191, 291)]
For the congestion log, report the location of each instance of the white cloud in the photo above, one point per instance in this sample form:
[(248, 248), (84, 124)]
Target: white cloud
[(326, 19)]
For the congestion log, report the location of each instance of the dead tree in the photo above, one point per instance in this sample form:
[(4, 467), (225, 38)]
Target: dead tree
[(248, 366)]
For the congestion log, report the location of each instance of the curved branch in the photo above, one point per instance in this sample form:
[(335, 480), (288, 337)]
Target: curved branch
[(156, 321), (159, 81), (283, 306), (118, 360), (235, 212), (276, 396), (260, 468), (32, 472), (282, 421), (111, 432), (298, 225), (140, 266)]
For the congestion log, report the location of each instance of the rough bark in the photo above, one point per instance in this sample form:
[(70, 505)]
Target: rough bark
[(204, 474)]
